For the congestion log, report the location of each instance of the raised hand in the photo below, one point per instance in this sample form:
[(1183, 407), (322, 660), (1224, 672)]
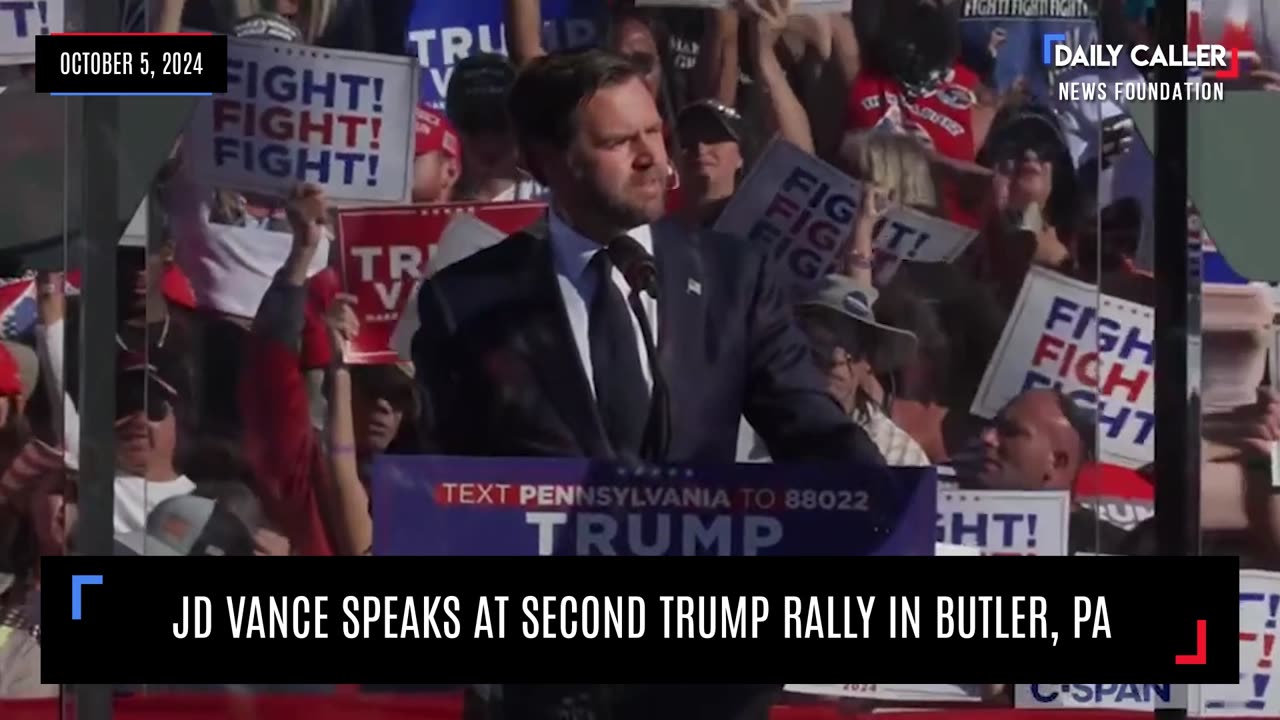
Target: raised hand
[(308, 213), (343, 324), (770, 18)]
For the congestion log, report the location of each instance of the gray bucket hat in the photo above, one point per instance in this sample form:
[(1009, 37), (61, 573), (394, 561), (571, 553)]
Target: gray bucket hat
[(841, 300)]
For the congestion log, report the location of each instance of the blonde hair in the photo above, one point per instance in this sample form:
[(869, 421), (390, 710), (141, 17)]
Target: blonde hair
[(313, 15), (899, 163)]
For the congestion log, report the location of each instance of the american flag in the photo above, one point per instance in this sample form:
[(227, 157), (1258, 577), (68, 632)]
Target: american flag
[(17, 307), (18, 314), (36, 464)]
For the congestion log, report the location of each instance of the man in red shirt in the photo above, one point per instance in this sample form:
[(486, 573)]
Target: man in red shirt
[(913, 84)]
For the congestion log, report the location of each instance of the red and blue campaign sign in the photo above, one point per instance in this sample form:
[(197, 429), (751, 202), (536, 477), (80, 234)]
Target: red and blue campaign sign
[(1096, 349), (437, 505), (442, 33), (337, 118), (1257, 694)]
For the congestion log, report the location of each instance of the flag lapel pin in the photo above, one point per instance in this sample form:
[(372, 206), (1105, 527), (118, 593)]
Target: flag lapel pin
[(695, 287)]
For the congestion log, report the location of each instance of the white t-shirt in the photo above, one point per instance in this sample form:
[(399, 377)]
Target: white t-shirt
[(136, 497)]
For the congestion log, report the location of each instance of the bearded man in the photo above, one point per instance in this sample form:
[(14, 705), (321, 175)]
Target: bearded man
[(604, 331)]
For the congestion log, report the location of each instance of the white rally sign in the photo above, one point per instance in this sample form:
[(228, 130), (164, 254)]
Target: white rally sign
[(340, 119), (894, 693), (804, 211), (1064, 334), (1258, 692), (21, 22), (1005, 522)]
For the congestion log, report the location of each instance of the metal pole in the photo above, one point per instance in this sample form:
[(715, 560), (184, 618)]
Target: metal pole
[(1177, 319), (100, 224), (1177, 312)]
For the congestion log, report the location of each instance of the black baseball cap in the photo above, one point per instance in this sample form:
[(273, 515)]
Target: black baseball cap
[(710, 116), (476, 100), (153, 383)]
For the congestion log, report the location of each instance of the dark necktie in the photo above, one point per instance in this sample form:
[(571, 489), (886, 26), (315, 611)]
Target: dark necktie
[(622, 394)]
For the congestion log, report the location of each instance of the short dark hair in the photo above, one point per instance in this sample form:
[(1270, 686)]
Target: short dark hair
[(547, 93)]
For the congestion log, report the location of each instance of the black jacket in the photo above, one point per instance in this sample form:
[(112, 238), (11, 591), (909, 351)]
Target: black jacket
[(501, 375)]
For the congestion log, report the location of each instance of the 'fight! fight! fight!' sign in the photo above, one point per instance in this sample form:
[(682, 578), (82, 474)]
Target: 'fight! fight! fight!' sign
[(342, 120), (1098, 350)]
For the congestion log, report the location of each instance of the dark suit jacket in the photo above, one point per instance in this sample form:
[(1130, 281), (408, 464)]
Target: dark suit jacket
[(502, 375)]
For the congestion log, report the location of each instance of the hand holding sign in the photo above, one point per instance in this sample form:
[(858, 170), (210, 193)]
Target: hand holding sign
[(343, 324), (308, 213), (803, 211), (858, 260), (876, 201)]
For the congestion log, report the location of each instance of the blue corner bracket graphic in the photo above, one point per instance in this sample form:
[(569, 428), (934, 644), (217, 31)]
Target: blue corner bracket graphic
[(77, 583), (1051, 39)]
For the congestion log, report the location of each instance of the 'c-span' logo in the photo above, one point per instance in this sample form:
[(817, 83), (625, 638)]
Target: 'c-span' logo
[(1116, 695)]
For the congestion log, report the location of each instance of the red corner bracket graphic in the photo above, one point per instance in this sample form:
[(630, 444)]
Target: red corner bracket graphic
[(1199, 657)]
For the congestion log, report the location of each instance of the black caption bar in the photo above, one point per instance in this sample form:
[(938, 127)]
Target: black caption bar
[(642, 620), (131, 64)]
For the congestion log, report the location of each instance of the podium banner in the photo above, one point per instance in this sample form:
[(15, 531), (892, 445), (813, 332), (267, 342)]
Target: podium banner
[(436, 505)]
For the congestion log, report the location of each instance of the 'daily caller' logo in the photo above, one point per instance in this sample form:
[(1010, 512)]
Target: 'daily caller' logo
[(1224, 62)]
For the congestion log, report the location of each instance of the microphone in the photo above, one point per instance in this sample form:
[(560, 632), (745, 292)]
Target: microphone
[(635, 263)]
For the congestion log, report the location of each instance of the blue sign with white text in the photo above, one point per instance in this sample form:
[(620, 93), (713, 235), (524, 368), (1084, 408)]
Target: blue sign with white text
[(436, 505), (442, 33)]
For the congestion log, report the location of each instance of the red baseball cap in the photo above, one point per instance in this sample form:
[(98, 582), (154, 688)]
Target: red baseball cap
[(435, 132)]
